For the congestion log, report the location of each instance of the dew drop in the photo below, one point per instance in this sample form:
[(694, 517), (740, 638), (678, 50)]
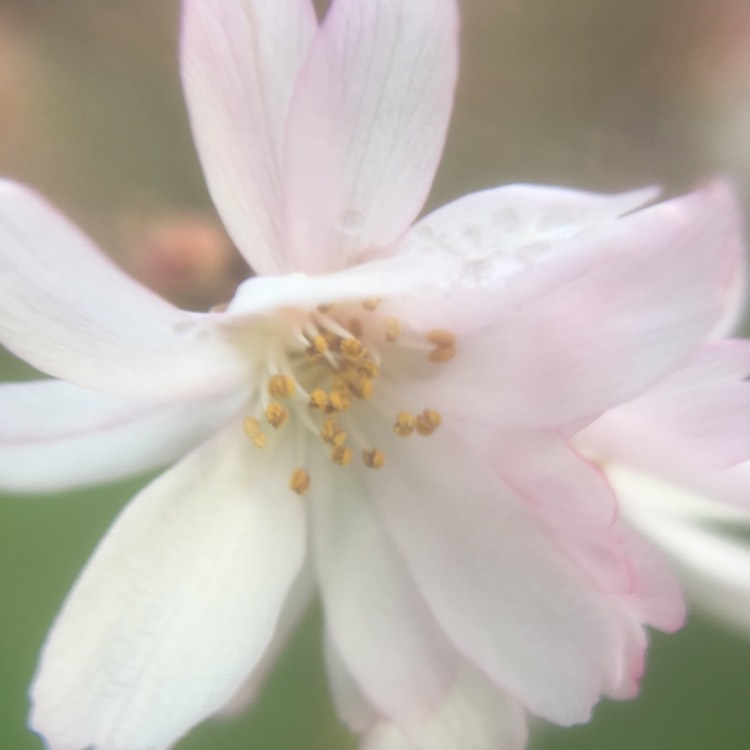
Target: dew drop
[(351, 222), (507, 218)]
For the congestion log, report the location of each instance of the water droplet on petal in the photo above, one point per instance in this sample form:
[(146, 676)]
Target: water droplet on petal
[(507, 218), (351, 222)]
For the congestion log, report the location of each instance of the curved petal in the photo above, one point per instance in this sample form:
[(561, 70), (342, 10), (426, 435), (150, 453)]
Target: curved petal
[(375, 617), (70, 312), (698, 416), (499, 584), (700, 538), (367, 126), (55, 436), (177, 605), (475, 715), (610, 315), (239, 61)]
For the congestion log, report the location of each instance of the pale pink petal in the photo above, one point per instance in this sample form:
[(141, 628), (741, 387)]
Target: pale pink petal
[(700, 415), (54, 435), (616, 310), (367, 126), (498, 582), (69, 311), (240, 60), (176, 607), (474, 716), (700, 538), (510, 229), (375, 617)]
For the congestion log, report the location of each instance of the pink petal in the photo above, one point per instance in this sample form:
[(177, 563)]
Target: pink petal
[(240, 60), (474, 715), (376, 620), (55, 436), (177, 605), (498, 582), (614, 311), (367, 127), (700, 415), (69, 311)]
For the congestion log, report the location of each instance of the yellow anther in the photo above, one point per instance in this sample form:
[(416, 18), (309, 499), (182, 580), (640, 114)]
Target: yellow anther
[(368, 368), (362, 387), (318, 347), (281, 386), (276, 414), (353, 349), (442, 354), (371, 303), (332, 432), (428, 421), (440, 337), (299, 481), (405, 424), (318, 400), (373, 459), (254, 431), (392, 329), (339, 400), (341, 455)]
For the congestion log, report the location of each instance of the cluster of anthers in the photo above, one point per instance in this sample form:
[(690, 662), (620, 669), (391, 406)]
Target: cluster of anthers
[(327, 370)]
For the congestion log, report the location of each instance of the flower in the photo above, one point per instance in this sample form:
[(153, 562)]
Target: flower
[(384, 412)]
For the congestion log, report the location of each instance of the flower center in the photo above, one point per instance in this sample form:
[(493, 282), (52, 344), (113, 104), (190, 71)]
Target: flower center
[(326, 375)]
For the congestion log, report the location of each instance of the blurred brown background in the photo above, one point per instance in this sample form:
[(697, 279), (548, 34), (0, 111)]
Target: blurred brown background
[(596, 94)]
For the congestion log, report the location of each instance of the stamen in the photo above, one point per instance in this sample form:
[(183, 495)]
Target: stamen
[(254, 431), (445, 345), (368, 368), (318, 347), (371, 303), (318, 400), (428, 421), (392, 329), (405, 424), (441, 337), (281, 386), (299, 481), (333, 433), (373, 459), (353, 349), (339, 400), (341, 455), (276, 414)]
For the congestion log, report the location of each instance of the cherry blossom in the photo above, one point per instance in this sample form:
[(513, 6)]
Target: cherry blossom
[(382, 415)]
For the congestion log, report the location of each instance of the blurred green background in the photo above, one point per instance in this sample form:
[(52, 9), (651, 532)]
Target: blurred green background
[(591, 93)]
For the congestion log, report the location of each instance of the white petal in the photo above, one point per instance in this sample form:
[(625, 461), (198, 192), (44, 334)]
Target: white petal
[(501, 587), (702, 539), (474, 716), (177, 605), (69, 311), (375, 616), (367, 126), (55, 436), (240, 60), (379, 278)]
